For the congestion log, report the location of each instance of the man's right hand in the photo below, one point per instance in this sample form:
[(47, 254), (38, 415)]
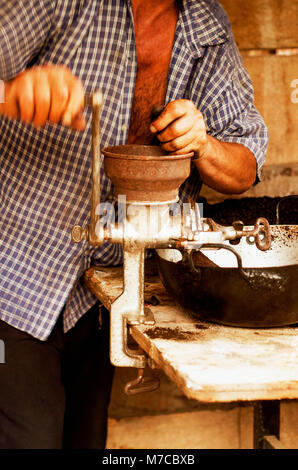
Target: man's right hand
[(45, 93)]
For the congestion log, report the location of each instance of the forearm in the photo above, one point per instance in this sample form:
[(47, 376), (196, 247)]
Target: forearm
[(226, 167)]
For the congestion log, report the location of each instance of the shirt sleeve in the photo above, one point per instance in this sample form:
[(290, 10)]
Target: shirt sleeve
[(224, 93), (24, 27), (233, 117)]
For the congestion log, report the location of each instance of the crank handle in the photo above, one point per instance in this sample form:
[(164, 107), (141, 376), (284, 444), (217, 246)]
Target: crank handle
[(261, 227)]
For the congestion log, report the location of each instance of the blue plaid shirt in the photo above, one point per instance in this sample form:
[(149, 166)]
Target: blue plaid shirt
[(45, 173)]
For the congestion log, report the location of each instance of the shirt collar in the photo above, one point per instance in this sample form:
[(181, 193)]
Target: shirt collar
[(200, 26)]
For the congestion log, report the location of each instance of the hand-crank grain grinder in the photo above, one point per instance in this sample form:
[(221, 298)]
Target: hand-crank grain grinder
[(149, 181)]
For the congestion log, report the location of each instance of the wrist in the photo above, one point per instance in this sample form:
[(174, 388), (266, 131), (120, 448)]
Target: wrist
[(203, 151)]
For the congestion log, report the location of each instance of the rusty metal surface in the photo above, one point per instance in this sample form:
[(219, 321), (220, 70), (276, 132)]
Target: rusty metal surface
[(267, 425), (96, 164), (142, 384), (145, 173), (88, 233)]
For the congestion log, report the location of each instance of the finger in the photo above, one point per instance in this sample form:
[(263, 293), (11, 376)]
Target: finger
[(179, 143), (174, 110), (42, 99), (59, 95), (184, 150), (75, 103), (79, 122), (25, 97), (197, 132), (178, 128)]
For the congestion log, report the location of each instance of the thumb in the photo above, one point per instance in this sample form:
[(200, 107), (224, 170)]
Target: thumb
[(79, 122), (8, 101)]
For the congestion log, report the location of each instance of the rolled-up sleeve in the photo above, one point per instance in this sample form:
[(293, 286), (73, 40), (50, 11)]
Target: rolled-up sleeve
[(24, 27), (233, 117)]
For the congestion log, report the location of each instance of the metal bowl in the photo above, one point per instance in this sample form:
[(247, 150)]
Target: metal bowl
[(145, 173), (260, 293)]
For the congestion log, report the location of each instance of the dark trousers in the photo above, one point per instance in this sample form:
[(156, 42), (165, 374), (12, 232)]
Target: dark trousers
[(54, 394)]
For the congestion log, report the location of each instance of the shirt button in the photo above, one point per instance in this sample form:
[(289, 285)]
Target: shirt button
[(124, 127)]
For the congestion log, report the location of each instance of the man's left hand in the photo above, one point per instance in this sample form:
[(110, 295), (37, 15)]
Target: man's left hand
[(181, 129)]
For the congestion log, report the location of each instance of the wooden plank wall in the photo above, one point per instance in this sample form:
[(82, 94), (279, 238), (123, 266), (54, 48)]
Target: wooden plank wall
[(263, 24), (266, 32)]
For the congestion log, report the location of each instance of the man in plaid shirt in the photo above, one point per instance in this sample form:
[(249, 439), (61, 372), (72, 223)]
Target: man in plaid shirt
[(55, 385)]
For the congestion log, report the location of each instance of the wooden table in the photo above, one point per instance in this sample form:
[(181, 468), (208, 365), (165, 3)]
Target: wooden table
[(209, 362)]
